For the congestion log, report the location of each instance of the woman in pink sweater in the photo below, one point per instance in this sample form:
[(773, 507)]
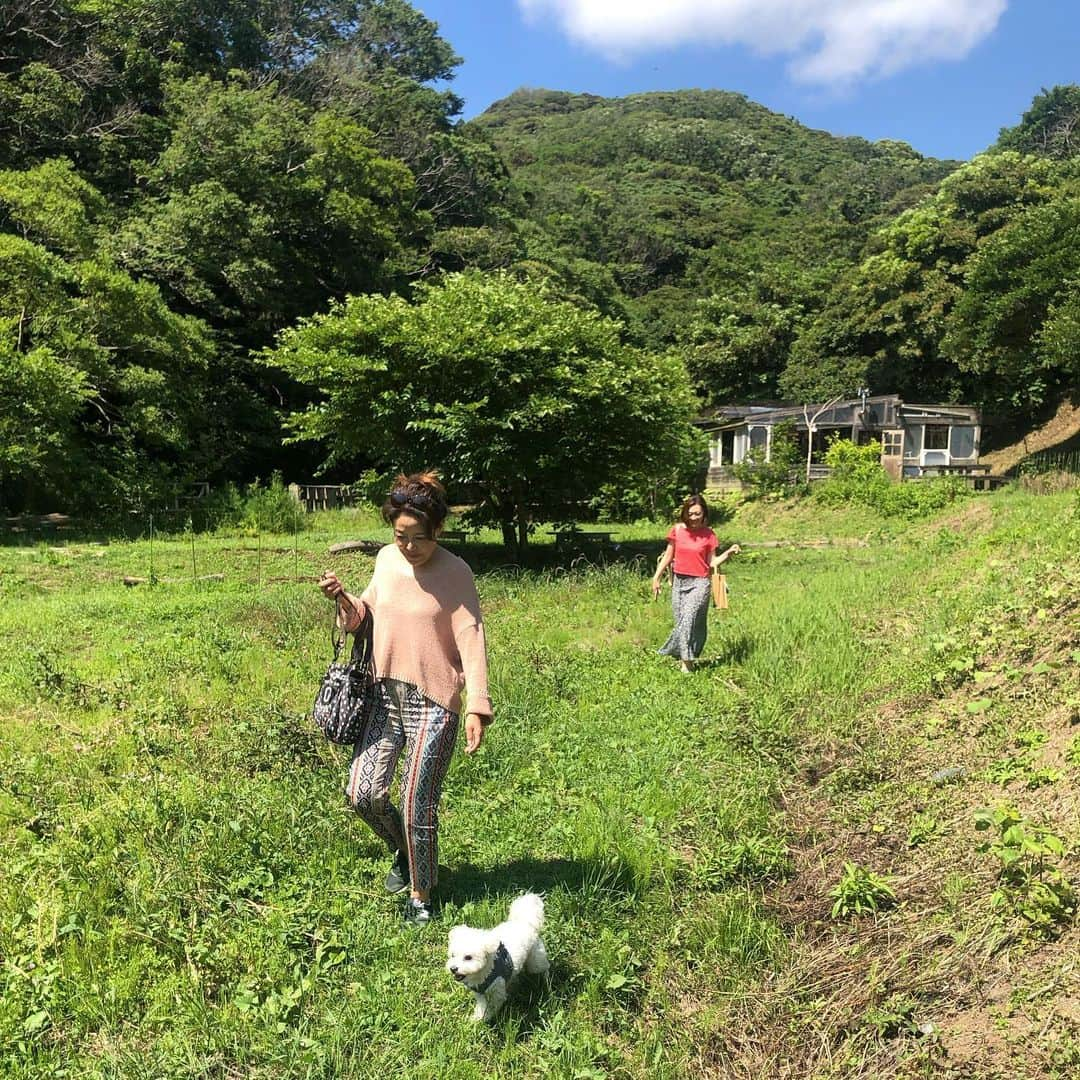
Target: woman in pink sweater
[(428, 647)]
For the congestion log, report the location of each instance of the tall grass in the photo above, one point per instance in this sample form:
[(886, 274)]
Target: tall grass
[(184, 893)]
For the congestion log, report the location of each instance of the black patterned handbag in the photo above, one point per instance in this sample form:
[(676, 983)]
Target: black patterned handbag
[(347, 694)]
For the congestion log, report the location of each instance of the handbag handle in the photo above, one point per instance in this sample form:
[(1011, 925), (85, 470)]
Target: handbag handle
[(362, 635)]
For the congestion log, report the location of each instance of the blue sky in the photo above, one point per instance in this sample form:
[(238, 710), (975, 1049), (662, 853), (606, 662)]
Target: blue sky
[(942, 75)]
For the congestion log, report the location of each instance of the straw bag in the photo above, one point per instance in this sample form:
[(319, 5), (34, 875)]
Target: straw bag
[(719, 590)]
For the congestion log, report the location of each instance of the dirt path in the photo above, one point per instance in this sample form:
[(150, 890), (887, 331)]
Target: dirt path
[(1064, 424)]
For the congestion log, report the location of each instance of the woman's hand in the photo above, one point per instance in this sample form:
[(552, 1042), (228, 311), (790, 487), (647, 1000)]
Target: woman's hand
[(474, 732), (655, 588), (719, 560), (331, 587)]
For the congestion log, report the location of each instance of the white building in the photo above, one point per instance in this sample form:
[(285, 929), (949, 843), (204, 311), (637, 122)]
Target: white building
[(916, 440)]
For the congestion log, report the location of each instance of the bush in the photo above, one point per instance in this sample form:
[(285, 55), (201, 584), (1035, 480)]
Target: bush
[(780, 475), (372, 485), (857, 477), (270, 508), (650, 499)]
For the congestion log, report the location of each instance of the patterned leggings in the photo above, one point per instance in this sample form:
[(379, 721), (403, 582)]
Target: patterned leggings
[(404, 720)]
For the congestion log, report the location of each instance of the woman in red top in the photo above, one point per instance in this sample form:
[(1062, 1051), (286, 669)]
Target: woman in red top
[(691, 545)]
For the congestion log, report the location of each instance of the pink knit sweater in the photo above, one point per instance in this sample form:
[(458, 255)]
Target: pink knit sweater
[(428, 628)]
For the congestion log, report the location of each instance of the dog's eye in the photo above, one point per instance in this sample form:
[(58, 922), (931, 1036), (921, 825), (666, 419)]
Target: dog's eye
[(466, 958)]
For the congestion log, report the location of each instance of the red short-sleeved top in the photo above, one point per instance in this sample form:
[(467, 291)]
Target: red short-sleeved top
[(693, 550)]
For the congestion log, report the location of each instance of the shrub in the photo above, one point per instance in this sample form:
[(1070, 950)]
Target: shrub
[(857, 477), (779, 475), (258, 507), (372, 485), (1030, 881), (272, 508), (860, 892)]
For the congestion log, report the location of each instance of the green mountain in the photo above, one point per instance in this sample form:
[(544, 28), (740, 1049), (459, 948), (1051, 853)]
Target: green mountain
[(643, 204)]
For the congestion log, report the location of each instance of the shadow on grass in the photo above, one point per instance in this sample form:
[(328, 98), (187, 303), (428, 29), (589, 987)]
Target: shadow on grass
[(581, 878), (494, 558), (532, 996), (733, 650)]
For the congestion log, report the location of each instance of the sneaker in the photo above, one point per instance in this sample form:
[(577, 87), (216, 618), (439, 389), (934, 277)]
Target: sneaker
[(418, 912), (398, 875)]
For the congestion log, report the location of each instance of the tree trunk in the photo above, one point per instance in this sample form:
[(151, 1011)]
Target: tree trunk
[(509, 534), (506, 521), (522, 533), (522, 522)]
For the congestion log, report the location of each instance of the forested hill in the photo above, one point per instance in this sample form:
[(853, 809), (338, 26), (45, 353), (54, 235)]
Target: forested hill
[(647, 202), (781, 262)]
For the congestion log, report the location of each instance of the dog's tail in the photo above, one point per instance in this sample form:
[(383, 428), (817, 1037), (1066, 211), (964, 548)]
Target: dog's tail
[(528, 909)]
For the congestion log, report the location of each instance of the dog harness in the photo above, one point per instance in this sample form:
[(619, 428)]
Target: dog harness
[(502, 967)]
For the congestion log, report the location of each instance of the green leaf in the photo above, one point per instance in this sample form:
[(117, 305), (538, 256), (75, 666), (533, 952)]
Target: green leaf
[(35, 1022)]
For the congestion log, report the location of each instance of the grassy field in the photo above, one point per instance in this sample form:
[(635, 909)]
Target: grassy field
[(184, 893)]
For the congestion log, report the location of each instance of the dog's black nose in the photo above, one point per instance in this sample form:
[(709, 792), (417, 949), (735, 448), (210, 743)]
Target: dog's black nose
[(453, 970)]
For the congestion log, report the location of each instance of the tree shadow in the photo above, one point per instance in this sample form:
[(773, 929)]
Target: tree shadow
[(465, 883)]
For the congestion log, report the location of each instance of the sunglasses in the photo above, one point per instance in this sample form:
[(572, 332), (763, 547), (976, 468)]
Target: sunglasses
[(401, 498)]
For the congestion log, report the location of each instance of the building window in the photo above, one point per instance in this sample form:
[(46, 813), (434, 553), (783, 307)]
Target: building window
[(962, 442), (759, 436), (936, 437), (891, 443)]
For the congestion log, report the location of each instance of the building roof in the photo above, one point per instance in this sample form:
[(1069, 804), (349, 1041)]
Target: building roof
[(873, 411)]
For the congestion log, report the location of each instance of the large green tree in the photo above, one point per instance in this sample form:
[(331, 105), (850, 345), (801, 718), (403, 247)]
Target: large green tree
[(739, 342), (1051, 127), (528, 404), (1020, 290), (205, 172), (885, 321), (263, 210), (104, 392)]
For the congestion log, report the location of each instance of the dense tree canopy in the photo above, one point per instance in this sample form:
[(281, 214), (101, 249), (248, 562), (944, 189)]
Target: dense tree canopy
[(672, 197), (529, 404), (951, 303), (179, 182)]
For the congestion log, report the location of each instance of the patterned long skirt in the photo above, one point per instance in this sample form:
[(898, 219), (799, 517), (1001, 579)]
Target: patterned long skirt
[(403, 721), (690, 606)]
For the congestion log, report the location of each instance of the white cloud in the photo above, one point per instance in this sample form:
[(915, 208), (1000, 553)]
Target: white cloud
[(829, 41)]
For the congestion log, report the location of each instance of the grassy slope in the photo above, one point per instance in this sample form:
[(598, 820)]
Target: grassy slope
[(183, 893)]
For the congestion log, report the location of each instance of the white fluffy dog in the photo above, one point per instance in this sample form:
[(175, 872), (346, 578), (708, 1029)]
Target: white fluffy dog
[(486, 961)]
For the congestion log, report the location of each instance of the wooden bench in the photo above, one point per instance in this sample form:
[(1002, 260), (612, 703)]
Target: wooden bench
[(581, 538), (453, 536)]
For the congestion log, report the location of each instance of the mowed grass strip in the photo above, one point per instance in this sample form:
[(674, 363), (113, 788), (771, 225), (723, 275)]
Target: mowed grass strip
[(185, 894)]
